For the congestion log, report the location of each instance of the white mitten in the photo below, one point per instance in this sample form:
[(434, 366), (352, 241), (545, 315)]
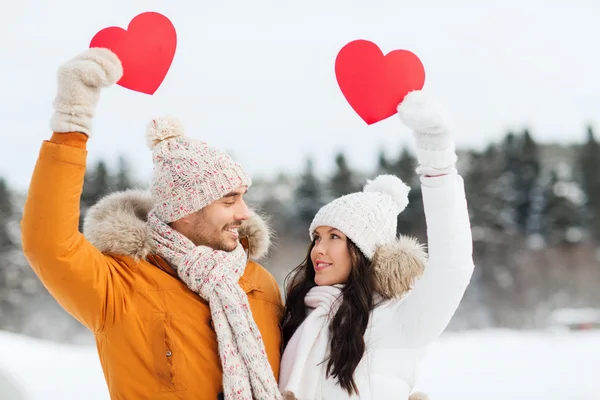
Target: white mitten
[(431, 127), (79, 83)]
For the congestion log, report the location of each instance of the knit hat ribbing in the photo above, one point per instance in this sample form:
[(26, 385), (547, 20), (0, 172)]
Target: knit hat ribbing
[(368, 218), (188, 174)]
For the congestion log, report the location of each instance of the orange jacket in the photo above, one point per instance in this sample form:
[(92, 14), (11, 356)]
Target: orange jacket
[(153, 335)]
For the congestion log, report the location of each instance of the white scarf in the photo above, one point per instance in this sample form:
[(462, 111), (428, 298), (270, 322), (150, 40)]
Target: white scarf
[(302, 364), (214, 275)]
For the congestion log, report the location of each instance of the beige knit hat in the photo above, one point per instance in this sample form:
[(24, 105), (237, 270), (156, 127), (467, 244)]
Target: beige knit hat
[(188, 174), (369, 220)]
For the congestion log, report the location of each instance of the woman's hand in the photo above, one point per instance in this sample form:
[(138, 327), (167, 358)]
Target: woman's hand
[(431, 127)]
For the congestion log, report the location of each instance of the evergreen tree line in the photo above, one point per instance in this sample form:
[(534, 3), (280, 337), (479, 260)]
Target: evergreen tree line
[(514, 187), (534, 209), (535, 216)]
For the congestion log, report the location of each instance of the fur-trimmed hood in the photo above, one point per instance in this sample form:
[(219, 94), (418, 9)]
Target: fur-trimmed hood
[(397, 266), (117, 225)]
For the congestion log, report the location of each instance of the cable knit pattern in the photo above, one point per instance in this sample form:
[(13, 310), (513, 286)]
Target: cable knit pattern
[(214, 275), (188, 174)]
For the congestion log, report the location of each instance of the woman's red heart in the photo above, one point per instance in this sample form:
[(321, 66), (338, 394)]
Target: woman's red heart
[(375, 84), (146, 50)]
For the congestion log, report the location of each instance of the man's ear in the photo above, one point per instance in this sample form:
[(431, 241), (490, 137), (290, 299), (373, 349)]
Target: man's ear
[(181, 222), (184, 220)]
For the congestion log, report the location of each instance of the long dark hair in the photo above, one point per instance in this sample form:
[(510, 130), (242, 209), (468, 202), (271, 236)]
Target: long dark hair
[(349, 324)]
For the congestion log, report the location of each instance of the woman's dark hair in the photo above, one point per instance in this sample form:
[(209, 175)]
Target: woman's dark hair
[(349, 324)]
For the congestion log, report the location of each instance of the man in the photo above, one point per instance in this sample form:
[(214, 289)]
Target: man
[(162, 279)]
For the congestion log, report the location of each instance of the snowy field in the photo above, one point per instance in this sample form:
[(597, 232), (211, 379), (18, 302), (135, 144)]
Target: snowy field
[(486, 365)]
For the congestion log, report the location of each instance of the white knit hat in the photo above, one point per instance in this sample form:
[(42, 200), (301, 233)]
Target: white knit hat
[(368, 218), (188, 174)]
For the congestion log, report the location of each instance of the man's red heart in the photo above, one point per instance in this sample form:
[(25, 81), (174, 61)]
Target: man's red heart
[(375, 84), (146, 50)]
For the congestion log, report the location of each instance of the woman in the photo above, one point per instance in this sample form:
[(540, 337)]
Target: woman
[(363, 307)]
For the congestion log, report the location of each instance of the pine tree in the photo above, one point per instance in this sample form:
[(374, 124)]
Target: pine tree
[(527, 174), (97, 183), (383, 165), (404, 167), (123, 180), (308, 197), (485, 186), (589, 162), (102, 181), (506, 177), (562, 213), (9, 272), (504, 186), (6, 212), (342, 181)]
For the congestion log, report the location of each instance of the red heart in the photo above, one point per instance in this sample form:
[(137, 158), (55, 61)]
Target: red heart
[(146, 50), (375, 84)]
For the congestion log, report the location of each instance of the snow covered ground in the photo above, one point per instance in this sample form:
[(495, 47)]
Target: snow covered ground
[(483, 365)]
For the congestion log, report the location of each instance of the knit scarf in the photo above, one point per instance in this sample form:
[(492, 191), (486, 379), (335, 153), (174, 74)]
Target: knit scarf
[(302, 365), (214, 275)]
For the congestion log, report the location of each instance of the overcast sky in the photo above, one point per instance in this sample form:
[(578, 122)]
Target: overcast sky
[(257, 77)]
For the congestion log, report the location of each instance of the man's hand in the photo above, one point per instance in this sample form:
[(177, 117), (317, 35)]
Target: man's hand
[(79, 83)]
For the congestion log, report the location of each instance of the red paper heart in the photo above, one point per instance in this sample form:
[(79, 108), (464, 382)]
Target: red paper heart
[(375, 84), (146, 50)]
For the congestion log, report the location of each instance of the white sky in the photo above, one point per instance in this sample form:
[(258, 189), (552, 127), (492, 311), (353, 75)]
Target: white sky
[(257, 77)]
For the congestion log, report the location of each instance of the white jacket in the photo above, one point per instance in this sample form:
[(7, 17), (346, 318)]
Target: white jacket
[(400, 331)]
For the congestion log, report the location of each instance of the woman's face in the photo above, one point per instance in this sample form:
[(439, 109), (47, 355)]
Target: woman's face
[(330, 256)]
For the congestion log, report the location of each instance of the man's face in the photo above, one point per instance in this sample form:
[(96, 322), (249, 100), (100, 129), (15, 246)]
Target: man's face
[(216, 225)]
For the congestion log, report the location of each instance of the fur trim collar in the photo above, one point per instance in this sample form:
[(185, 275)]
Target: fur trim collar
[(397, 266), (418, 396), (117, 225)]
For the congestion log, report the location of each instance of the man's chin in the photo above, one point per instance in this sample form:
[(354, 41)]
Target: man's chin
[(229, 245)]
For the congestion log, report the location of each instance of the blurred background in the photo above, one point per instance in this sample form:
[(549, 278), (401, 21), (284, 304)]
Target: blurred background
[(256, 78)]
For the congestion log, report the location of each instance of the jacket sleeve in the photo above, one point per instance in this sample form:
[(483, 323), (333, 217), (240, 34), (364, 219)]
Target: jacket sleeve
[(426, 311), (92, 287)]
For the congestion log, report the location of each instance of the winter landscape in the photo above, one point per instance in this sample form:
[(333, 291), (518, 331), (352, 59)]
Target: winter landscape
[(528, 110), (494, 364)]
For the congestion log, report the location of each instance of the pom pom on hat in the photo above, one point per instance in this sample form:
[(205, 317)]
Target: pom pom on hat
[(163, 128), (391, 185)]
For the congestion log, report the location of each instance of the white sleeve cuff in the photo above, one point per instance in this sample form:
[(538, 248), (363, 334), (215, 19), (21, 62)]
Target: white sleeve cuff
[(437, 159)]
